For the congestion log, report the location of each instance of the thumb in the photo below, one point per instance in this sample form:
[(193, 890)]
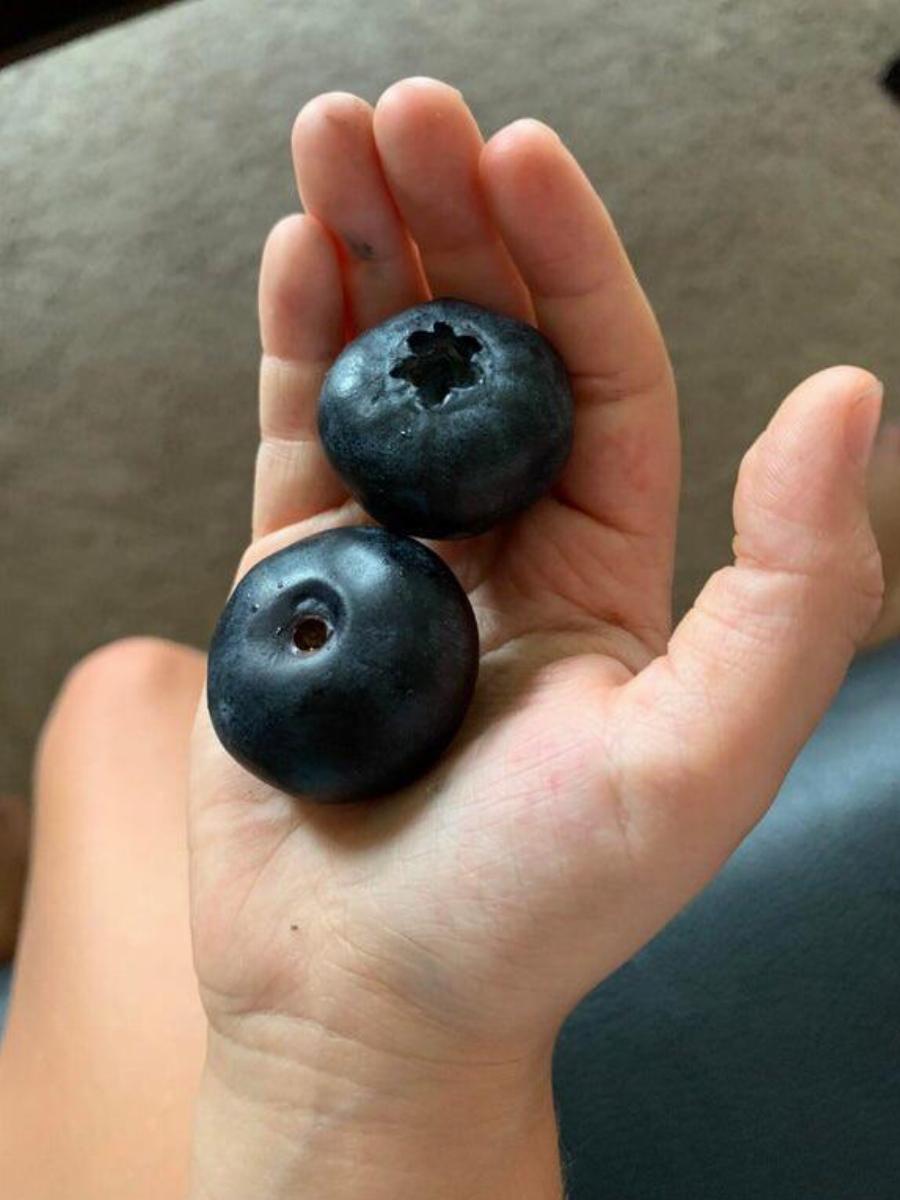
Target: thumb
[(752, 667)]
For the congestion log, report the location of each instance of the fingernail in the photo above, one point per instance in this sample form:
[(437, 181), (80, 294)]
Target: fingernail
[(862, 424)]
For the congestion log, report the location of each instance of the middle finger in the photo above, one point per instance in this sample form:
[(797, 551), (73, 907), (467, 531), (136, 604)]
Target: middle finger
[(429, 144)]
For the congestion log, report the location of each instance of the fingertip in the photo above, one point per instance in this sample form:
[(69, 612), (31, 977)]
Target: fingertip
[(817, 408), (520, 136), (525, 168), (330, 118), (296, 242), (300, 291), (415, 86), (332, 108), (843, 401), (282, 235), (800, 500), (837, 382), (417, 113)]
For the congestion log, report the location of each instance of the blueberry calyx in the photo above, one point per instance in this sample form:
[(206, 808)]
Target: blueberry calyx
[(441, 360)]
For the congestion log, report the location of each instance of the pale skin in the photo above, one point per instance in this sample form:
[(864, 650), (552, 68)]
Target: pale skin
[(382, 984)]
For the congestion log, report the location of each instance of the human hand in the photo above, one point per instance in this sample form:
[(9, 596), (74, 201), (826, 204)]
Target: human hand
[(384, 981)]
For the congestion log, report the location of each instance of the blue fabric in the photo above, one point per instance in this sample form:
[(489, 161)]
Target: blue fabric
[(5, 980), (752, 1050)]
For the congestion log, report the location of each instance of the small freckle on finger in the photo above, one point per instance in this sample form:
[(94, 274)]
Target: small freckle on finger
[(359, 248)]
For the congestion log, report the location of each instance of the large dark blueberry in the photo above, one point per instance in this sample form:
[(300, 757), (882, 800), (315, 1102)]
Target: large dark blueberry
[(343, 665), (447, 418)]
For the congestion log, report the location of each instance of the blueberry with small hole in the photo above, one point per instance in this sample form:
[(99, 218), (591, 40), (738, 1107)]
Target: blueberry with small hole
[(343, 665)]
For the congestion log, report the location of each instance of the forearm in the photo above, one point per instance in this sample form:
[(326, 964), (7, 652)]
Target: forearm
[(349, 1122)]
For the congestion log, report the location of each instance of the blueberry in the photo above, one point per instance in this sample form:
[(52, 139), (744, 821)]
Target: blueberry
[(447, 418), (343, 665)]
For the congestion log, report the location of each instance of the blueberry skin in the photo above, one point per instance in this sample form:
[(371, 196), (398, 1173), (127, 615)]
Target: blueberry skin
[(447, 418), (373, 707)]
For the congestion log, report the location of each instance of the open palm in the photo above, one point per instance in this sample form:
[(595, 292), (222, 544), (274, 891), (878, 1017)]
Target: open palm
[(607, 767)]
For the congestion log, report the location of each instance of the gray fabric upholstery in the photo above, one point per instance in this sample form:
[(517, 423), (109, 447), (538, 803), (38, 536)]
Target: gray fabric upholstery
[(745, 149)]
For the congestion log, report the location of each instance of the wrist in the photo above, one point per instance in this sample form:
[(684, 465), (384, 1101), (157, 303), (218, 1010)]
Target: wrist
[(335, 1118)]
